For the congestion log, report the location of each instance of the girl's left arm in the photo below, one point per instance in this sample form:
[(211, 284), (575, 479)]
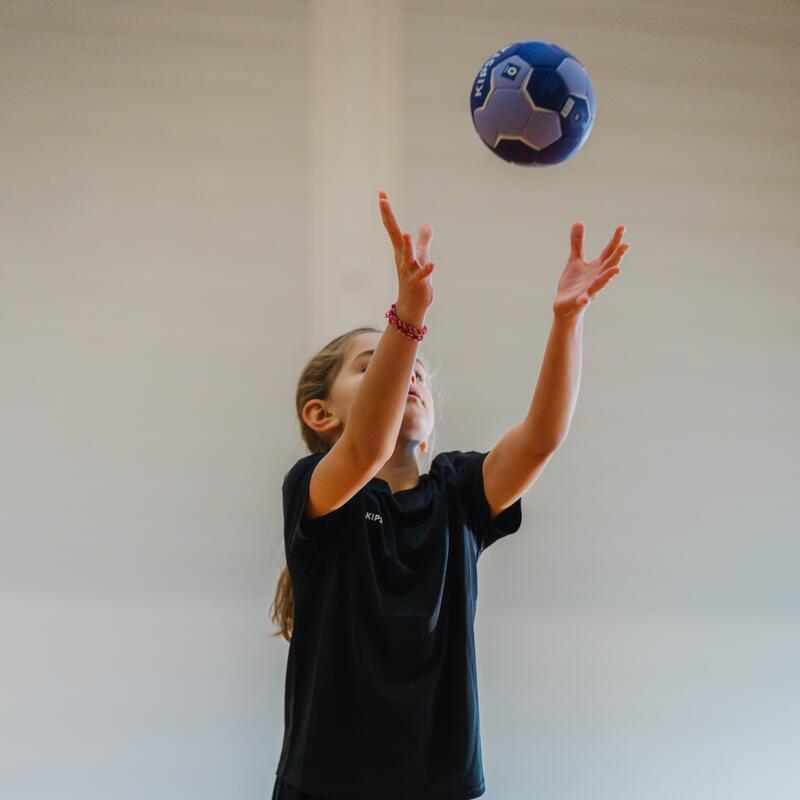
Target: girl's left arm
[(516, 461)]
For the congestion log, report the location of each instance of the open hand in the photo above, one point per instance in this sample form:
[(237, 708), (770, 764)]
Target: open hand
[(413, 268), (581, 280)]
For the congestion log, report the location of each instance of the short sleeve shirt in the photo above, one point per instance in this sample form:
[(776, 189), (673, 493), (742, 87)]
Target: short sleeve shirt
[(381, 683)]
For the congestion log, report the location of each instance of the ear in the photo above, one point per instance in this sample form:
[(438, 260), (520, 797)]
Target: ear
[(318, 418)]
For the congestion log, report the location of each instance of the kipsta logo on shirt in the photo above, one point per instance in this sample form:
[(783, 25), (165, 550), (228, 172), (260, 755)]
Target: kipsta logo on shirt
[(374, 517)]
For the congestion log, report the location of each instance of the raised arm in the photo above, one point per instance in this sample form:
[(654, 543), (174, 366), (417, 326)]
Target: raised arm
[(376, 413), (380, 403), (517, 460)]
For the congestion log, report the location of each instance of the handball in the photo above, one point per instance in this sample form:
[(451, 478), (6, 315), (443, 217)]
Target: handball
[(533, 104)]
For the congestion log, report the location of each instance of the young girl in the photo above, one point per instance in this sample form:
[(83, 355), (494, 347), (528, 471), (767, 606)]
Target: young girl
[(379, 593)]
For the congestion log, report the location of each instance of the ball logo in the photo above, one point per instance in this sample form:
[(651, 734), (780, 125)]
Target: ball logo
[(480, 79), (511, 71)]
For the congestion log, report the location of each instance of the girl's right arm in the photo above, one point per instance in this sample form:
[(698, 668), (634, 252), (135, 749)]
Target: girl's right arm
[(375, 417)]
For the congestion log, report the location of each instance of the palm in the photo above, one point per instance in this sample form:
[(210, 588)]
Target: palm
[(581, 280)]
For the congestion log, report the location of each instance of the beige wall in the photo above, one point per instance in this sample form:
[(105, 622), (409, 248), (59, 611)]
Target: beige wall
[(180, 202)]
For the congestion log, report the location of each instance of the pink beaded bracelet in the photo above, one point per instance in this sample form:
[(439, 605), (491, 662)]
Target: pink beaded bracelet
[(405, 327)]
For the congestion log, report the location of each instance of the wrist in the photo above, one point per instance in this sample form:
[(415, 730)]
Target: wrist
[(411, 316), (569, 320)]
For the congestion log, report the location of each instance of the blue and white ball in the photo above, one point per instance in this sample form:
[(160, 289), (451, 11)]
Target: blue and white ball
[(533, 104)]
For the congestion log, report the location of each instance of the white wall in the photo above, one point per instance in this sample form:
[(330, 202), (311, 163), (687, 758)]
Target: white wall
[(167, 204)]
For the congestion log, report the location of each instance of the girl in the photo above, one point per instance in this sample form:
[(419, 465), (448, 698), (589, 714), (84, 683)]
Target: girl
[(378, 596)]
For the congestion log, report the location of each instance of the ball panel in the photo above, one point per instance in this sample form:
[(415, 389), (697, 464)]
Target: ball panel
[(542, 129), (559, 151), (575, 77), (506, 113), (516, 151), (542, 54), (547, 88)]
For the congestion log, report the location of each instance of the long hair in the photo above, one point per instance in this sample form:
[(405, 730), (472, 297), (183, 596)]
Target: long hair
[(315, 382)]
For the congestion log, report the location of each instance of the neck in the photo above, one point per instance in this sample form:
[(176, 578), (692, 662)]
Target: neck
[(401, 470)]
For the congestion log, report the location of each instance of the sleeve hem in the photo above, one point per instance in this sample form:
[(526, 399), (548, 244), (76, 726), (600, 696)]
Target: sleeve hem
[(508, 521), (302, 532)]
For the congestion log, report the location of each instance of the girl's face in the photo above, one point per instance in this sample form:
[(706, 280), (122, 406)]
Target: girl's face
[(418, 418)]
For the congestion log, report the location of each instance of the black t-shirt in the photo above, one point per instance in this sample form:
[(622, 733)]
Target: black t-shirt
[(381, 680)]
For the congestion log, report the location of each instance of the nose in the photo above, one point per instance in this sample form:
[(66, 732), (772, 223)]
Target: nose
[(413, 378)]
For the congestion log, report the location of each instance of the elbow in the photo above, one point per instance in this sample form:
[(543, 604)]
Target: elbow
[(549, 447)]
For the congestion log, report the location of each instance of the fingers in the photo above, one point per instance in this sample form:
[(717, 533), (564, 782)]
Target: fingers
[(408, 248), (615, 240), (414, 267), (602, 279), (423, 243), (576, 240), (402, 242), (616, 255), (389, 222)]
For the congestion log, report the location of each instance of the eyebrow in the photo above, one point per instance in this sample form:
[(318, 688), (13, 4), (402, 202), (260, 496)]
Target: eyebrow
[(370, 352)]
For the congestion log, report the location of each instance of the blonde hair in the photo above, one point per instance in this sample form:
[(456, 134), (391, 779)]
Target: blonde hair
[(315, 382)]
